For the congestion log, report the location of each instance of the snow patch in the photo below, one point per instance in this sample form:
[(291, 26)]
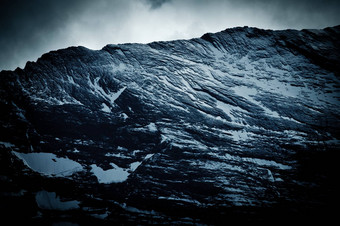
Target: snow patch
[(239, 135), (115, 175), (75, 150), (49, 164), (119, 155), (99, 91), (124, 116), (229, 110), (135, 165), (7, 144), (148, 156), (120, 67), (105, 108), (114, 96), (152, 127)]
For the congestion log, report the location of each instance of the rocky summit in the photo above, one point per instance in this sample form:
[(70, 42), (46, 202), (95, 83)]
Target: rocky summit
[(236, 126)]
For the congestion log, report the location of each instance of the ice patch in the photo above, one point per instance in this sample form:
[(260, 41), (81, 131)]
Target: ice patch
[(49, 164)]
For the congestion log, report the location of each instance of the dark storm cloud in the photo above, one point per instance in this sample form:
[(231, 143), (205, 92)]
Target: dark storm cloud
[(298, 13), (31, 28), (26, 26), (155, 4)]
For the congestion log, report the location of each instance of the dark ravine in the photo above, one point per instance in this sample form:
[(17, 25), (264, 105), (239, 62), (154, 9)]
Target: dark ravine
[(236, 126)]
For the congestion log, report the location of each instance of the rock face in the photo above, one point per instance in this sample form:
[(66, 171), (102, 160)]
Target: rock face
[(241, 125)]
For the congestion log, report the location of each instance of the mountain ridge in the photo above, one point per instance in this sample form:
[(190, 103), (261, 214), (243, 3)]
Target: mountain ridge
[(332, 28), (236, 122)]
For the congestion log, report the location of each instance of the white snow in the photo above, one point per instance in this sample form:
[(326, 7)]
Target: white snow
[(66, 99), (257, 161), (212, 165), (180, 199), (124, 116), (212, 116), (270, 176), (7, 144), (119, 148), (229, 110), (188, 89), (70, 80), (99, 91), (50, 201), (135, 210), (114, 96), (164, 138), (152, 127), (101, 216), (239, 135), (75, 150), (135, 152), (180, 138), (264, 162), (135, 165), (105, 108), (115, 175), (49, 164), (248, 94), (168, 84), (120, 67), (148, 156), (119, 155)]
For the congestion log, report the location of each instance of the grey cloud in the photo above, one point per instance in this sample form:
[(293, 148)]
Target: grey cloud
[(31, 28), (299, 13), (26, 26), (155, 4)]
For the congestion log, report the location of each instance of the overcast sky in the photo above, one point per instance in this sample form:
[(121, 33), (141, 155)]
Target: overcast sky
[(30, 28)]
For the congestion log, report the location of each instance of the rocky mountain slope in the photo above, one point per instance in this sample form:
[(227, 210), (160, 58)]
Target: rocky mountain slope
[(241, 125)]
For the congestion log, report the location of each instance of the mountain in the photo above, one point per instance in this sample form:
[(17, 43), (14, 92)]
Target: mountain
[(237, 126)]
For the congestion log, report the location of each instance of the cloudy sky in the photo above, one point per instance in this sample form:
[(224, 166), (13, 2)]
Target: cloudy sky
[(30, 28)]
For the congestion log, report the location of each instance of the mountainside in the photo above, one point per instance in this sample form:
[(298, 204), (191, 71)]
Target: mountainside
[(240, 125)]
